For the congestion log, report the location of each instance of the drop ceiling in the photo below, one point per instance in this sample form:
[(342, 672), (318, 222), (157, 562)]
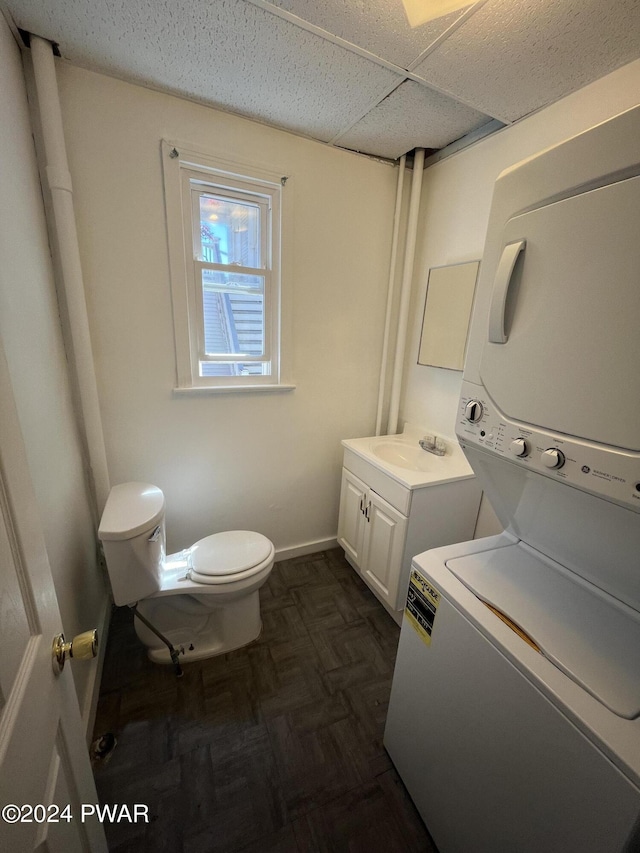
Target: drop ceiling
[(351, 73)]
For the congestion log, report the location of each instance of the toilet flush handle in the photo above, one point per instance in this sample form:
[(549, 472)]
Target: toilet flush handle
[(156, 534)]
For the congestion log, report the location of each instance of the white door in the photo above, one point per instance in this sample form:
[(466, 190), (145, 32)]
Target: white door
[(44, 763), (384, 547), (351, 521)]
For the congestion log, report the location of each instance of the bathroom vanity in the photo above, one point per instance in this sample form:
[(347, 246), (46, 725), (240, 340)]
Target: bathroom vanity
[(398, 500)]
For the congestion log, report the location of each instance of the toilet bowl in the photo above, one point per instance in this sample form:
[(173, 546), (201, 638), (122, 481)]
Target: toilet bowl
[(204, 600)]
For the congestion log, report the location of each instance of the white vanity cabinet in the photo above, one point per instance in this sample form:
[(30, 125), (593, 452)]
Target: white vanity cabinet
[(373, 535), (386, 518)]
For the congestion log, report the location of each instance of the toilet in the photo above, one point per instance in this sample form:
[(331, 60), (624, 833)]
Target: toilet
[(203, 600)]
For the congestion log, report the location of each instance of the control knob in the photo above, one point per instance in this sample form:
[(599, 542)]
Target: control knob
[(553, 458), (473, 411), (519, 447)]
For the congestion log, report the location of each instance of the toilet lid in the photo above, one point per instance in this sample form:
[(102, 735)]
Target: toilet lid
[(230, 552)]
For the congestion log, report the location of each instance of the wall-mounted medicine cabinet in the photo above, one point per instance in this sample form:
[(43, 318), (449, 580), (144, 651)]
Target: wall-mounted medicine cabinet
[(447, 312)]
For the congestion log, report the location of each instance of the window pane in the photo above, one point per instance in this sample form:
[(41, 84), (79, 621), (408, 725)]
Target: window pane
[(229, 231), (232, 282), (234, 368), (233, 313)]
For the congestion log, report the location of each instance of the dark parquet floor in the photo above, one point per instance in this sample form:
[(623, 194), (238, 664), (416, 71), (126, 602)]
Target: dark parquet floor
[(274, 748)]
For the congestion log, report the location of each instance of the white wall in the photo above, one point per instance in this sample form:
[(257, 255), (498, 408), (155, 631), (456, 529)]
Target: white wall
[(32, 338), (454, 214), (269, 462)]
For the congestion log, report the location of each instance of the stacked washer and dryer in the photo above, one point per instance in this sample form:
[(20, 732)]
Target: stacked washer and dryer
[(514, 717)]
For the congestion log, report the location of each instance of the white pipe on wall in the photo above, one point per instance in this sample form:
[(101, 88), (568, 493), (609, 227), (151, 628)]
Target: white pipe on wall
[(405, 293), (59, 180), (390, 293)]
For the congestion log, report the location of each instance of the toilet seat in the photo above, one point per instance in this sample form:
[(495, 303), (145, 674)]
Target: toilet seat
[(230, 556)]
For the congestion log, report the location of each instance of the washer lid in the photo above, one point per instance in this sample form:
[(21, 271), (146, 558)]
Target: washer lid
[(230, 552), (585, 632), (131, 509)]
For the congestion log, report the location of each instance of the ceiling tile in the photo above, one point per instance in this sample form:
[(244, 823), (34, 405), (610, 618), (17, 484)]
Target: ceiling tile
[(511, 58), (506, 59), (413, 116), (379, 26), (228, 53)]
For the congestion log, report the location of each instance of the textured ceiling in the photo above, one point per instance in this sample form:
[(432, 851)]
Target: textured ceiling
[(349, 72)]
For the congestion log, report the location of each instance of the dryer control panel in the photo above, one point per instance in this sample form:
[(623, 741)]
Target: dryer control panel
[(607, 472)]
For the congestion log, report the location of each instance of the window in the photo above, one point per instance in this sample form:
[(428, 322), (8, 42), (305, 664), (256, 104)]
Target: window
[(224, 229)]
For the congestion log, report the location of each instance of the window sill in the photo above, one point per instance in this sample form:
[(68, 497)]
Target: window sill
[(232, 389)]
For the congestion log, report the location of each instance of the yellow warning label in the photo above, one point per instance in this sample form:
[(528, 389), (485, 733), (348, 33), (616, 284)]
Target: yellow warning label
[(422, 603)]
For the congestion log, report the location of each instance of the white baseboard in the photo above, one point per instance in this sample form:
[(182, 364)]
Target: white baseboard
[(303, 550), (90, 705)]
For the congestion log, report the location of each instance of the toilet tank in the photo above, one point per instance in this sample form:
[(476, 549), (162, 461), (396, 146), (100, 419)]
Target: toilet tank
[(133, 536)]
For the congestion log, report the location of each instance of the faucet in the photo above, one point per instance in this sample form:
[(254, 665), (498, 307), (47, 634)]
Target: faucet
[(433, 444)]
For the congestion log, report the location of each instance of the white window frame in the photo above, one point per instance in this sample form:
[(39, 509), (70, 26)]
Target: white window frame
[(185, 170)]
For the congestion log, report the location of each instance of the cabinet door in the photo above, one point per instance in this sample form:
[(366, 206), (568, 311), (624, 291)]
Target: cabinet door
[(351, 521), (384, 541)]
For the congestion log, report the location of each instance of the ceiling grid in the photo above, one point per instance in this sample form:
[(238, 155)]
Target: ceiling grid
[(354, 74)]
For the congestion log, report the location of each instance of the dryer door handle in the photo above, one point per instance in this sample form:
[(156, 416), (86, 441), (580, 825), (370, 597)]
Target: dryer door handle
[(497, 334)]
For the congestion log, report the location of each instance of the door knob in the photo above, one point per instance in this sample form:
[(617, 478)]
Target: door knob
[(82, 647)]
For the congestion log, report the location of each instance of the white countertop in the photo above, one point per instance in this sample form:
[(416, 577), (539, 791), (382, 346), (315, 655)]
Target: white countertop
[(437, 469)]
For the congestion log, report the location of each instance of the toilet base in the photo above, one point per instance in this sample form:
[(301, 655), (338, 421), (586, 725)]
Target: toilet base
[(197, 626), (201, 650)]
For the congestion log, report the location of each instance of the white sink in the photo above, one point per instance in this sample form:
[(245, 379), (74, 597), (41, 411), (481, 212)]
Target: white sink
[(405, 455), (401, 458)]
